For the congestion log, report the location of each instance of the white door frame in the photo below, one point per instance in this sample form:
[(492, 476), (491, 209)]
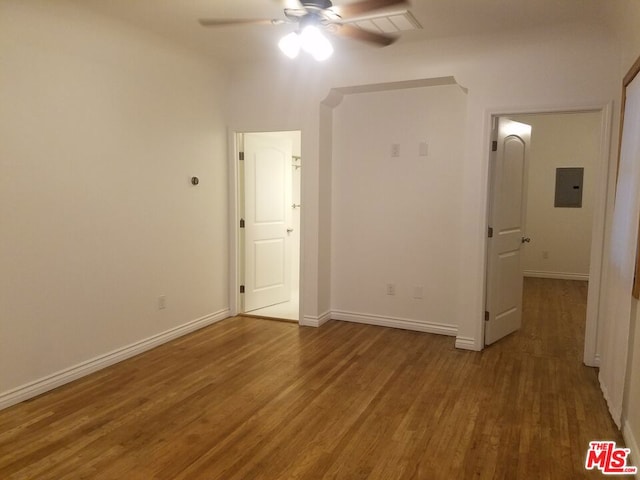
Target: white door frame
[(596, 268), (234, 208)]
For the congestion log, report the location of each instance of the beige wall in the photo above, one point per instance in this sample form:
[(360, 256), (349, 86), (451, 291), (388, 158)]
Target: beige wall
[(623, 17), (560, 140), (631, 413), (631, 406), (101, 128), (393, 218), (631, 51)]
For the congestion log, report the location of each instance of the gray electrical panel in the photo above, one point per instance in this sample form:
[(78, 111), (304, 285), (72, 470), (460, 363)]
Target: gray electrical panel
[(569, 182)]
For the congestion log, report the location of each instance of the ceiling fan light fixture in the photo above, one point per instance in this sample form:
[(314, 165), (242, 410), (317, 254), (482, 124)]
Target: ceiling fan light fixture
[(315, 43), (290, 45), (353, 21)]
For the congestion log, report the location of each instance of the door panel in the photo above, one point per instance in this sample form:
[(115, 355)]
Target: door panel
[(268, 178), (508, 290), (510, 205), (269, 269), (504, 263), (267, 168)]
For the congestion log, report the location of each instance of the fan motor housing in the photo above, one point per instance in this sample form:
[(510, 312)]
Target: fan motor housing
[(321, 4)]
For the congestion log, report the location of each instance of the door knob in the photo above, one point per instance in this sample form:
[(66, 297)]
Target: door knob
[(526, 240), (289, 230)]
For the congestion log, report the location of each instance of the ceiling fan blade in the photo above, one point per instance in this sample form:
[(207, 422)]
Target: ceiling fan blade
[(215, 22), (351, 31), (365, 6)]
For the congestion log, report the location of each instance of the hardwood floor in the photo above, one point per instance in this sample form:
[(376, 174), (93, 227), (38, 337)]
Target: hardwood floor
[(254, 399)]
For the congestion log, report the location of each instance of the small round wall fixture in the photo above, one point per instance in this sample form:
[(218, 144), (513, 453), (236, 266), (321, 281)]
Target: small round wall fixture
[(195, 180)]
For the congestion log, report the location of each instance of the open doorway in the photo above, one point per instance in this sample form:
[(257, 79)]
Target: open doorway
[(269, 218), (561, 184), (563, 197)]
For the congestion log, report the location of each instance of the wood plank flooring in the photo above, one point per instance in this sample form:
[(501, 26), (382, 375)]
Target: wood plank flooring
[(254, 399)]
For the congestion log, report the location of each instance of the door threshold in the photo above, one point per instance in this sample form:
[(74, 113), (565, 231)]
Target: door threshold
[(264, 317)]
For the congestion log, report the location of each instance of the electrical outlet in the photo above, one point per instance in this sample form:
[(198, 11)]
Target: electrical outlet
[(391, 288), (545, 255), (395, 149), (162, 302), (423, 149)]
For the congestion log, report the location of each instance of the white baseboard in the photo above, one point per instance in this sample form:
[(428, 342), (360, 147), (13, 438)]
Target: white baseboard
[(404, 323), (30, 390), (467, 343), (311, 321), (593, 362), (557, 275), (631, 442)]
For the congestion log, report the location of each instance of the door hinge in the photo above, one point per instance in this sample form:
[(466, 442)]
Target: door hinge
[(241, 288), (242, 223), (490, 232), (494, 146), (486, 316), (240, 155)]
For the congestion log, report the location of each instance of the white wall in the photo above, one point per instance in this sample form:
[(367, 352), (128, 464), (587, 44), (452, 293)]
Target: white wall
[(397, 219), (631, 415), (560, 140), (101, 128), (526, 71), (630, 42), (623, 17), (625, 312)]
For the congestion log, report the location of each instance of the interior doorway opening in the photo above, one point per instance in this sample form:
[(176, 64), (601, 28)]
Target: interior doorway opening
[(562, 236), (269, 210)]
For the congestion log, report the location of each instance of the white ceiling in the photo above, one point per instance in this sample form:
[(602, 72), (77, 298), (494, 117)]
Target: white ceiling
[(178, 20)]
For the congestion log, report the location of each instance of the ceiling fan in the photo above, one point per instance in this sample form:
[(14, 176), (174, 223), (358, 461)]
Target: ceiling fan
[(315, 16)]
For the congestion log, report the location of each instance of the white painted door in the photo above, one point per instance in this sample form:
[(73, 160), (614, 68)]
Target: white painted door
[(506, 222), (267, 171)]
